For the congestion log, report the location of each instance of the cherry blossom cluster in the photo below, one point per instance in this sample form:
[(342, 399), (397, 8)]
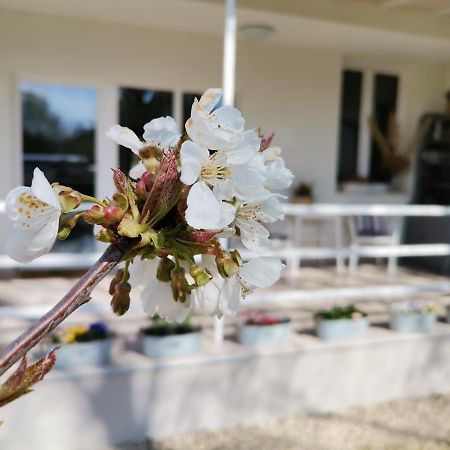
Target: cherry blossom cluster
[(215, 180)]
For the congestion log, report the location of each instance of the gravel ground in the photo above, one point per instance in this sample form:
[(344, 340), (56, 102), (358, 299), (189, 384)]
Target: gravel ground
[(419, 424)]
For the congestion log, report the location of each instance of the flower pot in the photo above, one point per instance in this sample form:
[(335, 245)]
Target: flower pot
[(171, 345), (412, 322), (83, 354), (447, 310), (264, 335), (341, 329), (302, 199)]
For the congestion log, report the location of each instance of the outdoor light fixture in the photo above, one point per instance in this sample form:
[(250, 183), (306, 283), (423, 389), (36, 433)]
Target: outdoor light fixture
[(256, 31)]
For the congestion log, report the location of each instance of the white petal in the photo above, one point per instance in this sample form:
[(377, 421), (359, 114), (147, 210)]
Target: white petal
[(193, 157), (143, 271), (245, 149), (206, 298), (126, 137), (41, 189), (261, 272), (271, 153), (227, 214), (137, 171), (249, 178), (220, 130), (210, 99), (224, 189), (162, 132), (278, 176), (157, 299), (203, 209), (271, 210), (230, 296), (253, 235), (25, 244)]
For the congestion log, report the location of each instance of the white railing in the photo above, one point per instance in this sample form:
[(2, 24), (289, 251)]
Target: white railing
[(337, 213)]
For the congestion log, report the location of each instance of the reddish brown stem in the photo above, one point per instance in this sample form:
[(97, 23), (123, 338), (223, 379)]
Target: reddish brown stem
[(77, 296)]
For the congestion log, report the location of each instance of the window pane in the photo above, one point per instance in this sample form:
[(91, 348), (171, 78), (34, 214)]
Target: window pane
[(188, 99), (349, 124), (384, 104), (136, 108), (58, 135)]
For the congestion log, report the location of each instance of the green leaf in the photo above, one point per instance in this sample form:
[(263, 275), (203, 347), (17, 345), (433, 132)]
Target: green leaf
[(20, 382)]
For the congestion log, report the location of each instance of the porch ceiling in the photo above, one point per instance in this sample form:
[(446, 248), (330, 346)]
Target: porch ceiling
[(410, 28)]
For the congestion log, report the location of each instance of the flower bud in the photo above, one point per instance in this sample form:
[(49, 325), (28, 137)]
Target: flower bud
[(94, 215), (164, 269), (141, 190), (120, 302), (200, 275), (121, 201), (112, 214), (115, 281), (179, 284), (226, 266)]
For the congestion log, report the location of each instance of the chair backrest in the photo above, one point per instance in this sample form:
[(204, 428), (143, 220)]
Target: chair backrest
[(370, 226)]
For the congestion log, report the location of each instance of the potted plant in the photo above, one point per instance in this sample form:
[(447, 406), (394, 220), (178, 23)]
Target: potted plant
[(341, 322), (260, 329), (162, 339), (83, 346), (303, 193), (413, 317)]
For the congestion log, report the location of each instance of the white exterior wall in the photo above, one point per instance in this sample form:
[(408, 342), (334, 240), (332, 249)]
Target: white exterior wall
[(287, 89)]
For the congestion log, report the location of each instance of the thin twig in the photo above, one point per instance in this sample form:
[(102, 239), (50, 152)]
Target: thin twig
[(77, 296)]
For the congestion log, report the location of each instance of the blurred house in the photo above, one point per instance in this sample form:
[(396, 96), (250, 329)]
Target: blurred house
[(310, 70)]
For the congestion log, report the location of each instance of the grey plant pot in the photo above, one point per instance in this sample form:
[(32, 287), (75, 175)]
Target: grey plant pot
[(78, 354), (412, 322), (264, 335), (341, 329), (169, 346)]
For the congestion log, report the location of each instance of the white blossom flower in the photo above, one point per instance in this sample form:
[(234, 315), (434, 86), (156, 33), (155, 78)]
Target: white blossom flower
[(34, 212), (221, 129), (156, 295), (277, 175), (162, 133), (227, 174), (248, 218), (222, 296)]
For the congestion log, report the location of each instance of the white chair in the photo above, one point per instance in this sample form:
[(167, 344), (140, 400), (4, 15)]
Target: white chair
[(370, 231)]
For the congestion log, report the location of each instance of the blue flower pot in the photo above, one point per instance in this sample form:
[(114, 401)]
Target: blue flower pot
[(341, 329), (412, 322), (78, 354), (170, 346), (264, 335)]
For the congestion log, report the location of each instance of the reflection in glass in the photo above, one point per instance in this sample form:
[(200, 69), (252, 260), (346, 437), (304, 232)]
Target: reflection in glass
[(384, 104), (58, 136), (349, 124), (188, 99), (136, 108)]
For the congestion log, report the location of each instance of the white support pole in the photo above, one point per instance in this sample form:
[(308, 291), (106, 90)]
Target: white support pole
[(228, 81), (229, 52)]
